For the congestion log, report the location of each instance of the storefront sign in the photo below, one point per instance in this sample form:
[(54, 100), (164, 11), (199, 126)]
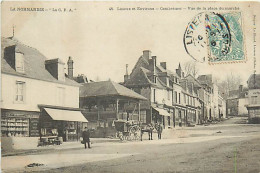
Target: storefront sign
[(34, 129)]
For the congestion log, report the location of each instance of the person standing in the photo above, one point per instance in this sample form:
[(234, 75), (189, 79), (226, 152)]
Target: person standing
[(159, 131), (85, 136), (150, 131)]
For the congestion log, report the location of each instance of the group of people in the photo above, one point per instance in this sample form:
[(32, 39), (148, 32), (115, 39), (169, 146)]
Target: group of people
[(157, 126), (159, 129)]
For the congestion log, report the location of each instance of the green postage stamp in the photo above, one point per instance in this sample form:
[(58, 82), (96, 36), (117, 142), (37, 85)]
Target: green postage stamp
[(216, 38)]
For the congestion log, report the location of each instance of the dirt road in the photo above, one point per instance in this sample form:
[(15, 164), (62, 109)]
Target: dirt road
[(224, 147)]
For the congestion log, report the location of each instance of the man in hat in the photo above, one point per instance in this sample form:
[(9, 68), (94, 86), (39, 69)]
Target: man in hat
[(85, 136)]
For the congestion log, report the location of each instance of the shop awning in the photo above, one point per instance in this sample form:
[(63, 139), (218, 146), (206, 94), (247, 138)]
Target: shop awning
[(162, 111), (65, 115)]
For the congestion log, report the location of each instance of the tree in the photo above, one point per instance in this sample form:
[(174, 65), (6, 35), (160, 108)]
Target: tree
[(231, 82), (191, 68)]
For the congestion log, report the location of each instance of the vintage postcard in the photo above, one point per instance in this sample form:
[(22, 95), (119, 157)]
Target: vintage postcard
[(142, 86)]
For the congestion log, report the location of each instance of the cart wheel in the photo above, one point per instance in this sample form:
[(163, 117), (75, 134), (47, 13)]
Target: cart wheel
[(134, 133), (120, 136), (137, 133)]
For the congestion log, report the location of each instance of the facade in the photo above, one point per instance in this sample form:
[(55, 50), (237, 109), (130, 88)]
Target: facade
[(166, 91), (237, 101), (214, 103), (36, 94), (197, 99), (253, 106)]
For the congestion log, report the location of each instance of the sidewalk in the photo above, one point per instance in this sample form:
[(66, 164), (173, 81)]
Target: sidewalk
[(174, 133), (63, 146)]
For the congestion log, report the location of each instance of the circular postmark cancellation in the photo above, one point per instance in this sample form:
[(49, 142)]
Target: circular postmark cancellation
[(215, 38)]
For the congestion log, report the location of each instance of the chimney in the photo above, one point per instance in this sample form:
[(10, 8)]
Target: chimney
[(240, 90), (154, 63), (70, 68), (147, 55), (163, 64), (179, 71), (56, 68), (81, 78), (126, 76)]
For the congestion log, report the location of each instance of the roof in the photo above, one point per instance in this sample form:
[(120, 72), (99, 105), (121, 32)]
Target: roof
[(141, 75), (205, 79), (254, 81), (34, 63), (192, 79), (107, 88)]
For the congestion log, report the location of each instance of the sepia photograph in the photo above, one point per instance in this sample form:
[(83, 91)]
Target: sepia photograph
[(122, 87)]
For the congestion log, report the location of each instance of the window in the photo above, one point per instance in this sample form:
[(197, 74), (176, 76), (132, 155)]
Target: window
[(179, 98), (154, 99), (254, 100), (20, 91), (155, 79), (168, 94), (19, 62), (176, 97), (184, 97), (61, 96)]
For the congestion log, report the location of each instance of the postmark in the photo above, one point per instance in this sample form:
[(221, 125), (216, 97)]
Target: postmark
[(215, 38)]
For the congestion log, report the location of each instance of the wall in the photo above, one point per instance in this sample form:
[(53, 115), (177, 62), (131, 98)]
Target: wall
[(36, 92), (242, 110), (19, 143), (254, 92), (215, 102), (232, 107)]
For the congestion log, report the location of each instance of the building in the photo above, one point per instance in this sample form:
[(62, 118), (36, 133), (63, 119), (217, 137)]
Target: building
[(253, 106), (107, 101), (38, 98), (172, 99), (237, 101), (196, 99)]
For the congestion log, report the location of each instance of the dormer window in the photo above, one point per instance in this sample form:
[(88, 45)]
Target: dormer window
[(155, 79), (19, 62)]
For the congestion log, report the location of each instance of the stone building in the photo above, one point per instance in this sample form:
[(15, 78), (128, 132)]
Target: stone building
[(36, 95), (237, 101), (172, 99), (253, 106)]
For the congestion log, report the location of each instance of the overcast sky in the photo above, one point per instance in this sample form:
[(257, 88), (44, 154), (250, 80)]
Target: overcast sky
[(102, 41)]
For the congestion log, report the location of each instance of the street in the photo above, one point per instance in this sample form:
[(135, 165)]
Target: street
[(229, 146)]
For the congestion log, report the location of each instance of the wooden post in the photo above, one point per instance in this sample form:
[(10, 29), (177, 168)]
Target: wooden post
[(40, 123), (98, 109), (77, 131), (117, 109), (139, 115)]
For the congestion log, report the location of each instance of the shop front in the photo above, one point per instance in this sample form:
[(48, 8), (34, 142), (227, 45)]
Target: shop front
[(161, 115), (65, 123), (17, 123)]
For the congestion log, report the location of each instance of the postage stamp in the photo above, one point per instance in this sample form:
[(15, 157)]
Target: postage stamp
[(216, 38)]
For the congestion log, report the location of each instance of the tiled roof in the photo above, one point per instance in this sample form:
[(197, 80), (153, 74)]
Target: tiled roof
[(107, 88), (139, 77), (192, 79), (34, 63), (205, 79), (254, 81)]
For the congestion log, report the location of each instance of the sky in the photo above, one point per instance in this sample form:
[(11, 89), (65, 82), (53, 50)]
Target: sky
[(102, 41)]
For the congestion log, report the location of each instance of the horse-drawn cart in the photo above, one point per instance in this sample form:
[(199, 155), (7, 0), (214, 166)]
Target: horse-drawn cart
[(127, 130)]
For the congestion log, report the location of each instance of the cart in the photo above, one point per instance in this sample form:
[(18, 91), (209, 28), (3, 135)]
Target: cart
[(127, 130)]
